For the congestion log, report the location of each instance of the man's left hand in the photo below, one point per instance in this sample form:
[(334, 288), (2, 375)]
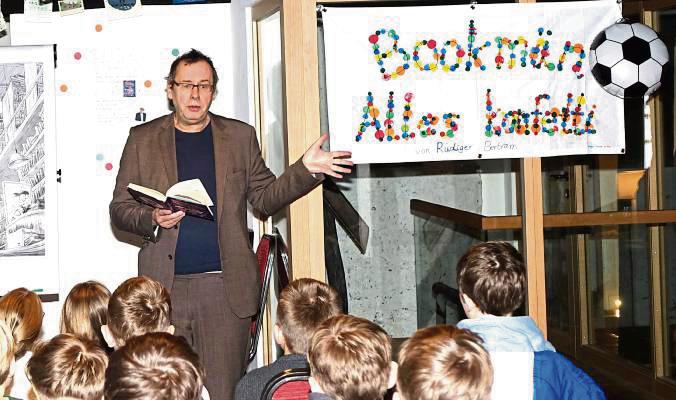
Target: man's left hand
[(330, 163)]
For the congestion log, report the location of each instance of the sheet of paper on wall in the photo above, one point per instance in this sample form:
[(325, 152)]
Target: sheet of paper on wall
[(459, 82), (28, 202), (70, 7), (117, 9), (35, 11)]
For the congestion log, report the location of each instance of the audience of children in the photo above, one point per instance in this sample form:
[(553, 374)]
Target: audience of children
[(491, 279), (21, 310), (444, 362), (67, 367), (85, 311), (301, 308), (350, 359), (491, 355), (154, 366)]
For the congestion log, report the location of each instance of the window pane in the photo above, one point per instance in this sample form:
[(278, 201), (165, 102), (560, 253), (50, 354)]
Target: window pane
[(618, 291)]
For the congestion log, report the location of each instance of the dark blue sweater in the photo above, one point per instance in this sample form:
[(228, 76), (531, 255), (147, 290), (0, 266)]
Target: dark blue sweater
[(197, 247)]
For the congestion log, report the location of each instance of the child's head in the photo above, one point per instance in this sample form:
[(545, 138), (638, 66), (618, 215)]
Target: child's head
[(154, 366), (84, 311), (303, 305), (21, 310), (67, 367), (351, 359), (443, 363), (6, 357), (139, 305), (492, 279)]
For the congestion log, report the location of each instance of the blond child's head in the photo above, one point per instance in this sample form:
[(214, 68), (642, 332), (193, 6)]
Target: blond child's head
[(154, 366), (351, 359), (303, 305), (444, 363), (492, 279), (6, 357), (69, 367), (21, 310), (85, 311), (139, 305)]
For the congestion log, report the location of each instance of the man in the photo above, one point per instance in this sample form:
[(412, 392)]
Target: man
[(141, 115), (209, 265)]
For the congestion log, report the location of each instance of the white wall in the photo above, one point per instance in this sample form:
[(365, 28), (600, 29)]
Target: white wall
[(89, 249)]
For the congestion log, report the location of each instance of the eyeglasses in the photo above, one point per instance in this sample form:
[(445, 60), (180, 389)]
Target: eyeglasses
[(188, 86)]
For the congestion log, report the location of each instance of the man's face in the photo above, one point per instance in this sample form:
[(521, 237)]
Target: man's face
[(191, 103)]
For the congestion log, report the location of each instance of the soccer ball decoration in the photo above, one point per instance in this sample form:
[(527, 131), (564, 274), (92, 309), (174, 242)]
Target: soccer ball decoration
[(628, 60)]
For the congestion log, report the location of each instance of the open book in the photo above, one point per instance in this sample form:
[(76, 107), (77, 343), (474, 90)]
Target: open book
[(188, 196)]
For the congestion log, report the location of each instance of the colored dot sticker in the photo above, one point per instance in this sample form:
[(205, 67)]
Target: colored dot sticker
[(63, 88), (109, 166), (98, 27), (148, 83), (174, 52), (99, 157), (77, 55)]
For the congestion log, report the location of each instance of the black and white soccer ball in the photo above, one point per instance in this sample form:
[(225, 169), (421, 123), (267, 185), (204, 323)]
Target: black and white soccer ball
[(628, 60)]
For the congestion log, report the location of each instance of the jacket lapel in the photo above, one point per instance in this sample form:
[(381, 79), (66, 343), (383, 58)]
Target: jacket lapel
[(167, 147), (222, 159)]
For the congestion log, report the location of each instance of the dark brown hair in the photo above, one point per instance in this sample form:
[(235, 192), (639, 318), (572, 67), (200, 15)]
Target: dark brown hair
[(350, 358), (189, 58), (493, 275), (154, 366), (139, 305), (85, 311), (444, 363), (68, 366), (303, 305)]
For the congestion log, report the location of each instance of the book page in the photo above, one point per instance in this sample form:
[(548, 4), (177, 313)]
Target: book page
[(190, 190), (149, 192)]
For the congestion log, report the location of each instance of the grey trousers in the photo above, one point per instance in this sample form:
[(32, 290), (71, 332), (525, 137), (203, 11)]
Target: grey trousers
[(201, 314)]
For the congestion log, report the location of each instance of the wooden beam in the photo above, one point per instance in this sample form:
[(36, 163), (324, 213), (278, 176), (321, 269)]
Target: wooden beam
[(533, 239), (301, 114)]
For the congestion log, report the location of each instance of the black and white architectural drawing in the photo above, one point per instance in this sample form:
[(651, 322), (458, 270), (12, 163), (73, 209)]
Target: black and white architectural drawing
[(22, 160)]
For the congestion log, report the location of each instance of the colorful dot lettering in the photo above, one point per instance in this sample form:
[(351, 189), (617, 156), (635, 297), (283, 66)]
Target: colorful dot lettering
[(431, 54)]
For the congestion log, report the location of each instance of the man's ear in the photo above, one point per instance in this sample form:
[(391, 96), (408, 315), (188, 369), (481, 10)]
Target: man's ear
[(314, 386), (171, 329), (394, 368), (108, 336)]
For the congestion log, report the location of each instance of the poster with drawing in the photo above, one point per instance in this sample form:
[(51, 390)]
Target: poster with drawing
[(465, 82), (27, 196)]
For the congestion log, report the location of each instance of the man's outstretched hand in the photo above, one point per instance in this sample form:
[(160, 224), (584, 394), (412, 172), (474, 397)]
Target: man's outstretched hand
[(331, 163)]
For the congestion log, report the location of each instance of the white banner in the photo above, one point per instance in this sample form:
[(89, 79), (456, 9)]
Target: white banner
[(456, 82)]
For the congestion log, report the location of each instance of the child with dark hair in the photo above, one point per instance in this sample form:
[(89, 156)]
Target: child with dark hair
[(492, 283)]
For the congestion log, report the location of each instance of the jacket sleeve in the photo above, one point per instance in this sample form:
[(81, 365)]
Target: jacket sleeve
[(126, 213), (267, 194), (556, 377)]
